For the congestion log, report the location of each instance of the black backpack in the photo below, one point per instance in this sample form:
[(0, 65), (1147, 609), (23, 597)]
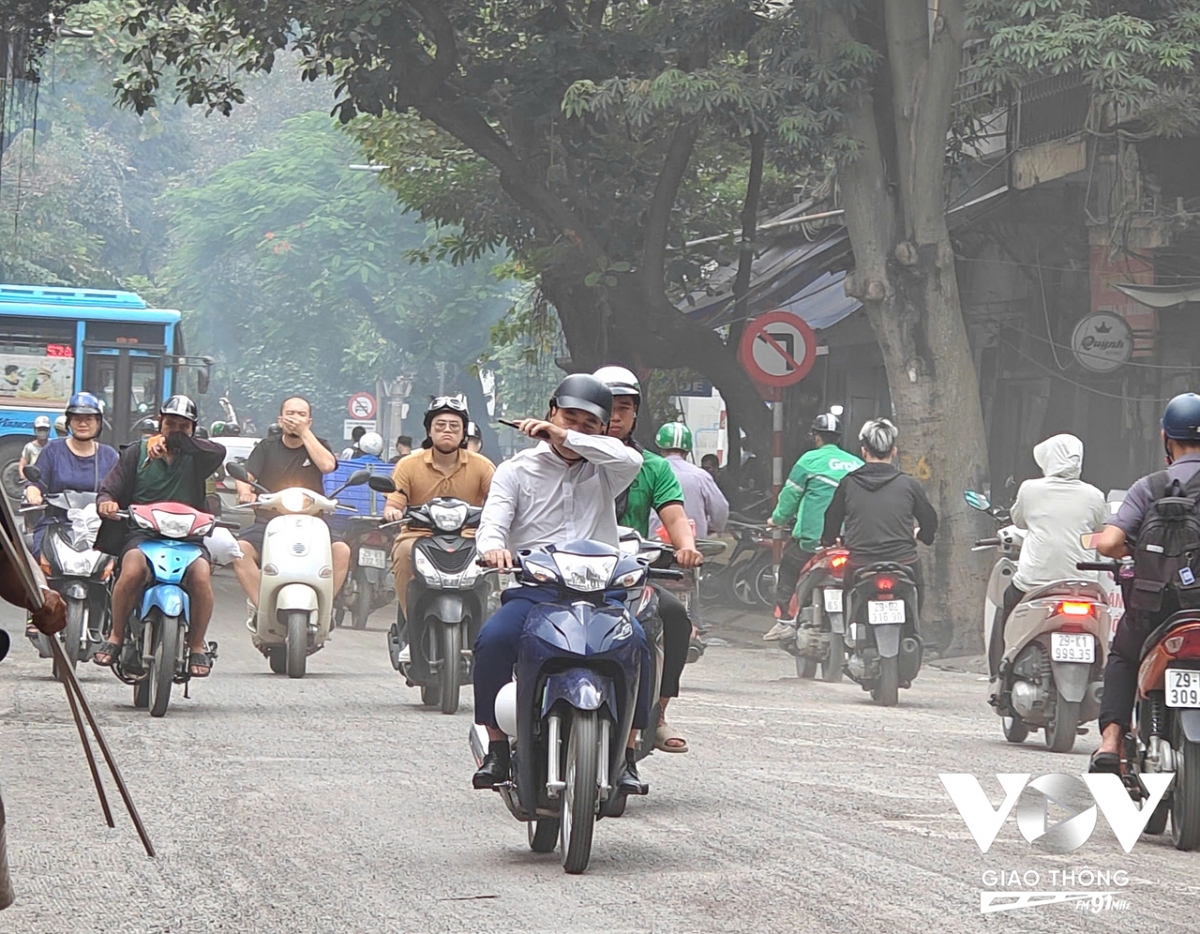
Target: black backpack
[(1166, 557)]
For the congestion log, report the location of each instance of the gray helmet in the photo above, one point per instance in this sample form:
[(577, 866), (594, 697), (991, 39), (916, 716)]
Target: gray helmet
[(584, 392), (182, 406)]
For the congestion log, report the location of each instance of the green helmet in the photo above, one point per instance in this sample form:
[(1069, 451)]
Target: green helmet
[(674, 436)]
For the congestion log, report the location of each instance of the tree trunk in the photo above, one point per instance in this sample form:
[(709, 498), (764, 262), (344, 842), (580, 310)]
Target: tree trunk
[(905, 277)]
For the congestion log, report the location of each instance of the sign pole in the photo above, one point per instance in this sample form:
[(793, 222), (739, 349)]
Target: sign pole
[(777, 466)]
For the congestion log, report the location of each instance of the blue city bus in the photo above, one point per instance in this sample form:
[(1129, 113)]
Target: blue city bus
[(58, 341)]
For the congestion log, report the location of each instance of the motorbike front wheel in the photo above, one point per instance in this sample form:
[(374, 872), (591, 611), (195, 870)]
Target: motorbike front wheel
[(806, 668), (582, 792), (451, 672), (77, 620), (162, 663), (297, 643), (1185, 796), (887, 689)]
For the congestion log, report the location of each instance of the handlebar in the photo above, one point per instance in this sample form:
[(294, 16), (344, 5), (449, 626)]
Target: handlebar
[(665, 574), (988, 543), (1112, 566)]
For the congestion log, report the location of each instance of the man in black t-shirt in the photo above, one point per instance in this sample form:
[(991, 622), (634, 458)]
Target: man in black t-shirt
[(296, 458)]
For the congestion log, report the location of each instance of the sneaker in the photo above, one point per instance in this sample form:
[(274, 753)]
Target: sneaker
[(405, 656), (251, 616), (782, 630)]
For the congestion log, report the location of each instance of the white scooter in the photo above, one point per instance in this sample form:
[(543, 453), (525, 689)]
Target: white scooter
[(1051, 665), (295, 597)]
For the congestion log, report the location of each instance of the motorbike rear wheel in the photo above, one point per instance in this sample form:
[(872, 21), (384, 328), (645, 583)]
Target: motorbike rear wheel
[(806, 668), (162, 663), (543, 834), (451, 673), (579, 799), (1015, 730), (362, 604), (831, 667), (1060, 732), (297, 643), (887, 689), (1185, 796)]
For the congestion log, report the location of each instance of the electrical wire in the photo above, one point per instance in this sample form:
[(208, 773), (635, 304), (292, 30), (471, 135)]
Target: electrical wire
[(1078, 385)]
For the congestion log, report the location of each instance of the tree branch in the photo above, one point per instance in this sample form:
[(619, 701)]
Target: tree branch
[(907, 49), (445, 58), (658, 221)]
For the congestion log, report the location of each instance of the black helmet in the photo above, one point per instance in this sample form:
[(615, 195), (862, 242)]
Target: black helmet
[(585, 392), (451, 404), (147, 424), (827, 424), (1181, 418), (182, 406)]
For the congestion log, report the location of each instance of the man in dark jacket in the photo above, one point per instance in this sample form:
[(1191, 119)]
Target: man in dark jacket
[(168, 467), (880, 506)]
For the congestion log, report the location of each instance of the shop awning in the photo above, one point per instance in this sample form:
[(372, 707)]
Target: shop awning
[(1162, 296)]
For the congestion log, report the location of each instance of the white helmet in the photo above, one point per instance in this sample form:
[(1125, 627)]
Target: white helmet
[(371, 443), (41, 423), (620, 381)]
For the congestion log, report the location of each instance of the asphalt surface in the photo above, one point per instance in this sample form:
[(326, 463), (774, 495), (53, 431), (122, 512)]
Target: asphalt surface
[(338, 804)]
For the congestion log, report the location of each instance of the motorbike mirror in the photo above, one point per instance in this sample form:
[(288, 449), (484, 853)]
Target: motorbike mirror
[(33, 473), (358, 478), (977, 500), (237, 471), (382, 484)]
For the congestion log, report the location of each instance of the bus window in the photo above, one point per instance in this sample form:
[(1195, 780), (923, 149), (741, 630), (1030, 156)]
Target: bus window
[(144, 392), (37, 363)]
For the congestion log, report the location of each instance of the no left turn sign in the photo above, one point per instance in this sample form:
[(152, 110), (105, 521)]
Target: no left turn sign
[(778, 349), (361, 405)]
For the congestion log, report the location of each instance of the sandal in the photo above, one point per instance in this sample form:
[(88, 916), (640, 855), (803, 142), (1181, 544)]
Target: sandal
[(199, 660), (664, 735), (111, 651), (1105, 762)]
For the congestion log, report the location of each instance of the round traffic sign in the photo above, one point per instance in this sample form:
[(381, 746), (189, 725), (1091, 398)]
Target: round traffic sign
[(778, 349), (361, 405)]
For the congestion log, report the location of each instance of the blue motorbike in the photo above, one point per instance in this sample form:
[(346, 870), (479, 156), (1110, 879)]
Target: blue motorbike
[(155, 653), (570, 707)]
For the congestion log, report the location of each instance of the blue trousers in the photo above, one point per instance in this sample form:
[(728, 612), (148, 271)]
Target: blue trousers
[(496, 653)]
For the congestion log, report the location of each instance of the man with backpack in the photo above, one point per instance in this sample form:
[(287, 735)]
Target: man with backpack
[(1159, 524)]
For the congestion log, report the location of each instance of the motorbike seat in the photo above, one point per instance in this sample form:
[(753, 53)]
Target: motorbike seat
[(1090, 590), (1177, 618), (902, 571)]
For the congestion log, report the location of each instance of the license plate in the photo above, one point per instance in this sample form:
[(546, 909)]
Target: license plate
[(1072, 647), (833, 601), (885, 612), (372, 558), (1183, 688)]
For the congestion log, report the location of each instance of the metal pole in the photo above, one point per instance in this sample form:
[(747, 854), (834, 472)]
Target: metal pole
[(777, 466)]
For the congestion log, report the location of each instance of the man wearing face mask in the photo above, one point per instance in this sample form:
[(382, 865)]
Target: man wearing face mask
[(169, 467), (31, 451)]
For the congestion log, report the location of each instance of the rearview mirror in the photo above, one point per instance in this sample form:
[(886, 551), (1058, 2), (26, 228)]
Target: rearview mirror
[(382, 484), (32, 473), (358, 478), (977, 500), (237, 471)]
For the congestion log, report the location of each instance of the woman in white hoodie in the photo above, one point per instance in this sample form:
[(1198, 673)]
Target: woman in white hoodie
[(1055, 510)]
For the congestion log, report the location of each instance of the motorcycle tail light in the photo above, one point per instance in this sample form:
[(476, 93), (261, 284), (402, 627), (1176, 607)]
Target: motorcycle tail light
[(884, 583), (837, 562), (1183, 642), (1173, 644), (1075, 608)]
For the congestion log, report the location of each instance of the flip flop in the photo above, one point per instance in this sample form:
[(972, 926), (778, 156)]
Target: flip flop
[(1105, 762), (665, 734)]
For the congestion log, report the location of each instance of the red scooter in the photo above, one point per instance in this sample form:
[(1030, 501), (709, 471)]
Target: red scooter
[(820, 621)]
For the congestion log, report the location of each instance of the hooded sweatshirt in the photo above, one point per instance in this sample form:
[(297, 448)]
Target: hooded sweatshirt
[(1055, 511), (880, 506)]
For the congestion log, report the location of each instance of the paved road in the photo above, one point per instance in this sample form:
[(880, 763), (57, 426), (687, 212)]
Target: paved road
[(338, 804)]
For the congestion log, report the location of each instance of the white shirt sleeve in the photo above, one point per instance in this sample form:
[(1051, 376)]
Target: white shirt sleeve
[(498, 511), (620, 463)]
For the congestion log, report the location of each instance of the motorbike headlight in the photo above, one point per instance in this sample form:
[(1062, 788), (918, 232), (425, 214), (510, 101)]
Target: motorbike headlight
[(426, 569), (173, 525), (448, 518), (295, 501), (75, 563), (585, 574)]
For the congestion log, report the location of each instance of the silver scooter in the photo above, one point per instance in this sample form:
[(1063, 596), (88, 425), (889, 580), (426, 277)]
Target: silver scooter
[(1051, 663)]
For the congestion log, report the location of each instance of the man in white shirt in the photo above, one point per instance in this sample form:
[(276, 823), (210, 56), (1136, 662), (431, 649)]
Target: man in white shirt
[(562, 489)]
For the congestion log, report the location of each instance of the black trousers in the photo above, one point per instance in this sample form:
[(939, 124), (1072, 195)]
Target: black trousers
[(1012, 596), (1124, 659), (677, 636), (791, 563)]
